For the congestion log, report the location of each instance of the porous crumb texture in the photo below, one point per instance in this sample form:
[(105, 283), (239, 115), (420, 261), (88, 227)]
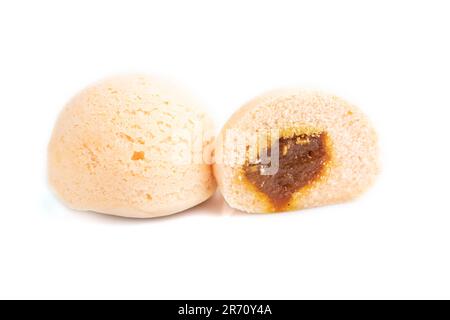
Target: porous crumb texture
[(113, 149), (353, 163)]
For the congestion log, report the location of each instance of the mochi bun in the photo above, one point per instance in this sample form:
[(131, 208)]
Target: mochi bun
[(292, 149), (132, 146)]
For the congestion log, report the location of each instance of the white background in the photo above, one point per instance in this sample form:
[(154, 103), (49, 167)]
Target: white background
[(392, 58)]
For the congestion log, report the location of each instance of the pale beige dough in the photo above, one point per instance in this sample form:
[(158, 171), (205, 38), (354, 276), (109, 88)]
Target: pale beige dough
[(352, 167), (133, 146)]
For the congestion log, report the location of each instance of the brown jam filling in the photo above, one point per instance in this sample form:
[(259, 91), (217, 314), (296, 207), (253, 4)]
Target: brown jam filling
[(302, 159)]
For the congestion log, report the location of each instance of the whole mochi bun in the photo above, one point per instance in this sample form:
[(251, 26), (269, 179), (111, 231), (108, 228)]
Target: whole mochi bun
[(349, 157), (132, 146)]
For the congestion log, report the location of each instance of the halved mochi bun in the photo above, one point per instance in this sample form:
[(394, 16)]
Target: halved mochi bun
[(133, 146), (293, 149)]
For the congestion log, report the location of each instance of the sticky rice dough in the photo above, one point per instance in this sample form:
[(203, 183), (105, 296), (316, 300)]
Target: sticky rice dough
[(293, 149), (133, 146)]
